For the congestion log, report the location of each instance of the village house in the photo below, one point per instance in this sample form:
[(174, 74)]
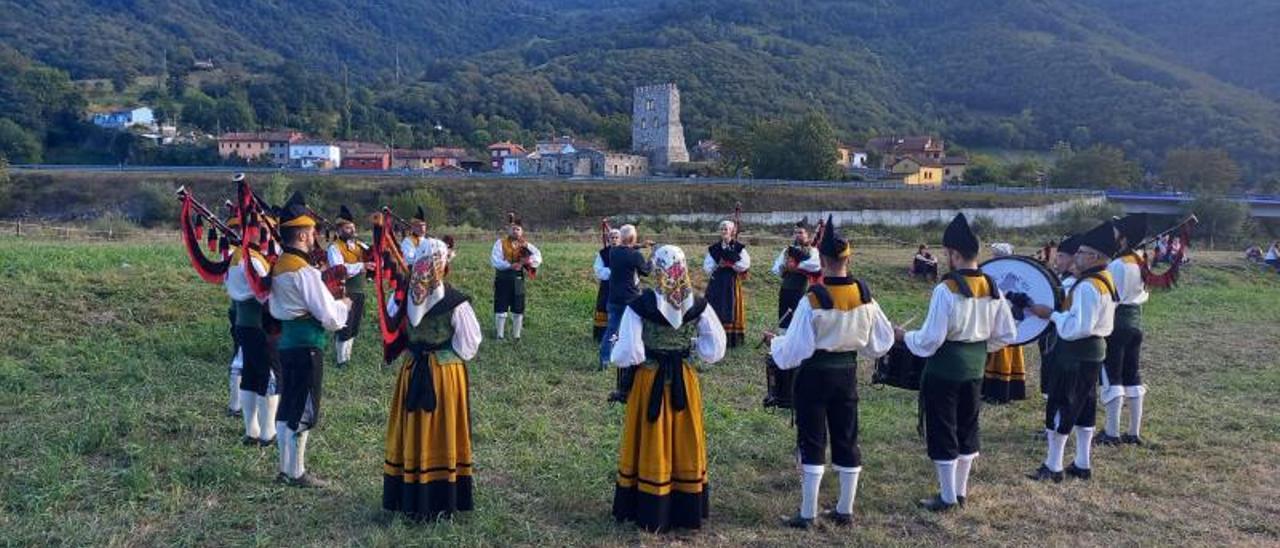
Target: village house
[(706, 150), (565, 157), (430, 159), (953, 168), (315, 155), (849, 156), (499, 151), (126, 118), (921, 148), (917, 172), (368, 156), (273, 146)]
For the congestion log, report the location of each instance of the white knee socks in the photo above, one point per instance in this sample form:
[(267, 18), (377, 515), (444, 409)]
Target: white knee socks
[(1084, 444), (300, 454), (848, 488), (963, 465), (343, 351), (248, 410), (266, 413), (1057, 446), (946, 480), (810, 479), (1113, 416), (285, 442), (517, 325), (233, 382), (500, 320), (1135, 415)]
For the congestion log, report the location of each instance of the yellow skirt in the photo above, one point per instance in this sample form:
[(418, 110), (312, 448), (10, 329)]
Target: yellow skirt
[(427, 471), (662, 464), (1005, 378)]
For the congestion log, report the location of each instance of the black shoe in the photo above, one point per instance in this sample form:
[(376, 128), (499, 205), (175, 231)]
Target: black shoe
[(1043, 473), (282, 479), (797, 522), (1131, 439), (770, 401), (266, 443), (248, 441), (341, 365), (308, 481), (843, 520), (617, 396), (1079, 473), (936, 504), (960, 501), (233, 413), (1107, 440)]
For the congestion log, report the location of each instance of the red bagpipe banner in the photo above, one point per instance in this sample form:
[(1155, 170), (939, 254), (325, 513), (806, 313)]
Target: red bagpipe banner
[(1169, 278), (191, 226), (390, 271), (256, 234)]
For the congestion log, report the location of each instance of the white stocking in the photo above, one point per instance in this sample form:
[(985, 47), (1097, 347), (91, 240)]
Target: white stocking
[(500, 320), (1057, 446), (848, 488), (247, 412), (964, 465), (1084, 445), (266, 412), (517, 325), (946, 480), (810, 479)]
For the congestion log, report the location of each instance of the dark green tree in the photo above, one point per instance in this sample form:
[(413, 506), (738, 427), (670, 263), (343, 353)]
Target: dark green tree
[(1210, 171), (1099, 167), (18, 143)]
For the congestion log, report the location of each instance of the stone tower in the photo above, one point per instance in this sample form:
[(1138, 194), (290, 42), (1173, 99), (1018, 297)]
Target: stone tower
[(656, 130)]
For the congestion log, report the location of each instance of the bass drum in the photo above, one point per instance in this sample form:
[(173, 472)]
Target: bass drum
[(1016, 274)]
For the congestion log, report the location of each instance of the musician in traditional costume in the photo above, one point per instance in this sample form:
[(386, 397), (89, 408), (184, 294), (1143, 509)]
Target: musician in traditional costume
[(418, 242), (1063, 266), (727, 263), (662, 459), (307, 310), (1082, 328), (967, 318), (601, 269), (427, 472), (260, 363), (1121, 378), (513, 258), (835, 321), (353, 255), (1005, 376), (796, 265), (236, 368)]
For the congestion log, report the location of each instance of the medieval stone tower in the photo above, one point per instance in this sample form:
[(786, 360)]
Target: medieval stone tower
[(656, 130)]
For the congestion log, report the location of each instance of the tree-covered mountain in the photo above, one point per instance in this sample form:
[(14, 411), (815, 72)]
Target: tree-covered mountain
[(1022, 74)]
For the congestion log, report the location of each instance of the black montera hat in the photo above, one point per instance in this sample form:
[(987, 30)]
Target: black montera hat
[(1101, 238), (832, 245), (960, 237)]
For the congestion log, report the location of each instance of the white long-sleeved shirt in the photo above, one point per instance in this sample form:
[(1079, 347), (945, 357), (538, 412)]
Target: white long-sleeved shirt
[(1091, 314), (812, 264), (425, 245), (744, 263), (302, 292), (602, 271), (466, 328), (864, 329), (499, 261), (953, 317), (237, 281), (336, 258), (629, 349), (1127, 275)]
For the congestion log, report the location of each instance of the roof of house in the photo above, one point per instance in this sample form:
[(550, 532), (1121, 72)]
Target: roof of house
[(436, 152), (506, 145), (904, 144), (270, 136), (955, 161)]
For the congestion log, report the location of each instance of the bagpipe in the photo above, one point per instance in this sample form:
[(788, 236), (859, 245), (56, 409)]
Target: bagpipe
[(192, 219), (522, 249), (604, 232), (778, 382), (391, 273), (1168, 278)]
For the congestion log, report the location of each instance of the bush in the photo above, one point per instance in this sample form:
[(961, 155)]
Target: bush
[(153, 205), (1081, 217), (115, 224), (579, 205), (1220, 219), (406, 204), (984, 226)]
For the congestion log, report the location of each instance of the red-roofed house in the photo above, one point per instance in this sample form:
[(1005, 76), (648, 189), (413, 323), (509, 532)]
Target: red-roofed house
[(273, 145), (499, 151)]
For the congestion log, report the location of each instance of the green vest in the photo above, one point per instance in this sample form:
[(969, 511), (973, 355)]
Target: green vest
[(248, 313), (1128, 316), (355, 284), (665, 338), (957, 361), (304, 332), (435, 330)]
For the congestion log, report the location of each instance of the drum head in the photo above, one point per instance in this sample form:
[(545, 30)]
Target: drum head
[(1019, 274)]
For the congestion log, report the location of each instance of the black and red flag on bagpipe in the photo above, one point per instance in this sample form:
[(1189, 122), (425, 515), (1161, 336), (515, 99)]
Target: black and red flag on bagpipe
[(259, 233), (391, 273), (192, 219), (1168, 278)]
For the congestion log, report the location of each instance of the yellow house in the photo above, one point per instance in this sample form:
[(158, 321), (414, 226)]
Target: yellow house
[(916, 172)]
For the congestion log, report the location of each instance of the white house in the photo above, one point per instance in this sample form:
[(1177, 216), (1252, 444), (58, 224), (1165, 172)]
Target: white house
[(511, 164), (124, 119), (315, 155)]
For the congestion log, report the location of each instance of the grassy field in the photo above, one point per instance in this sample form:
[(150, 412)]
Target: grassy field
[(113, 383)]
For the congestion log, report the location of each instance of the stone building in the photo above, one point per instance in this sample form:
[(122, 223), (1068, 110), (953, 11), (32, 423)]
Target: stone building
[(656, 130)]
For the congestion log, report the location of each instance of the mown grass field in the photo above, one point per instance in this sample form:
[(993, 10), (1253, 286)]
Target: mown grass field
[(113, 384)]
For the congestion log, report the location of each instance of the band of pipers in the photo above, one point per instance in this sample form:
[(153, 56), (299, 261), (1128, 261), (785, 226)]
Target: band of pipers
[(290, 294)]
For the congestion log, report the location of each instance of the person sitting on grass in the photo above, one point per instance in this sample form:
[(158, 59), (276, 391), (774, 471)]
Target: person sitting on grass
[(924, 265)]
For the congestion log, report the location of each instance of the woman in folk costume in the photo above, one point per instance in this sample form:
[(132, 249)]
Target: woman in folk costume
[(727, 263), (427, 470), (1005, 377), (512, 259), (601, 269), (662, 460)]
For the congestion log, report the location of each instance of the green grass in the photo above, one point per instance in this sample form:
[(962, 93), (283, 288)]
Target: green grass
[(113, 382)]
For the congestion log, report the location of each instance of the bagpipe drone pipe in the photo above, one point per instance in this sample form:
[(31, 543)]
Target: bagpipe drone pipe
[(1168, 278)]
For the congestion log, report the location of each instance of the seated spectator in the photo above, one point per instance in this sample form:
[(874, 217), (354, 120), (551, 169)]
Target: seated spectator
[(1253, 254), (924, 265), (1272, 257)]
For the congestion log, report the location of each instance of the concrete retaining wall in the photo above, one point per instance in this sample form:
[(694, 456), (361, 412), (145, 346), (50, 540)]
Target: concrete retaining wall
[(1004, 217)]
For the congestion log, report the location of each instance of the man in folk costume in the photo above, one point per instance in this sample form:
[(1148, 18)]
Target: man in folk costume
[(427, 472), (726, 264), (1082, 329), (1121, 380), (236, 369), (967, 318), (354, 257), (301, 301), (512, 258), (1063, 265), (601, 269), (835, 321), (417, 242), (662, 460), (260, 363), (1005, 377)]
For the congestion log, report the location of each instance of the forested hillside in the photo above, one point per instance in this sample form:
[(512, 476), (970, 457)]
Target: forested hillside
[(1018, 74)]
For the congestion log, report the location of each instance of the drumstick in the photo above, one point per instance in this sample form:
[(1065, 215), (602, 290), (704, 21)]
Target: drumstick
[(909, 321), (780, 322)]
